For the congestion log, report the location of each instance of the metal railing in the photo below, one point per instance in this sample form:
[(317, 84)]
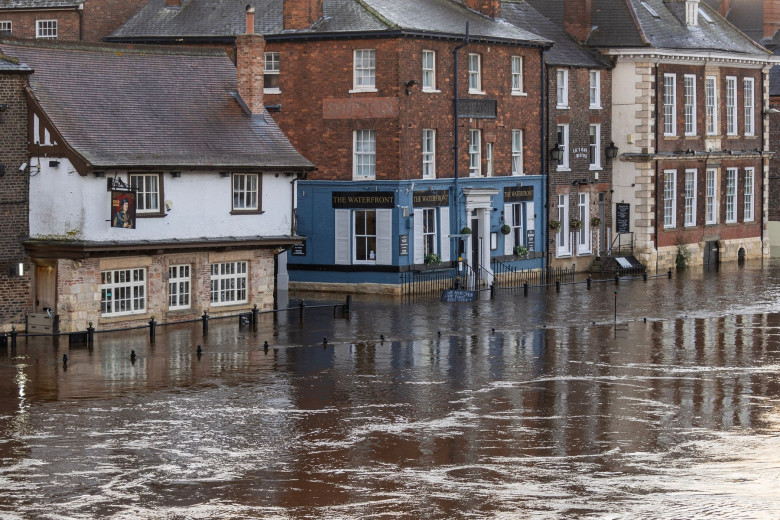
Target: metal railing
[(622, 244), (427, 282), (508, 276)]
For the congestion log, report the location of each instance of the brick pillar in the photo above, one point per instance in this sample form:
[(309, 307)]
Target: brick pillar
[(249, 64), (577, 16), (491, 8), (771, 17), (301, 14)]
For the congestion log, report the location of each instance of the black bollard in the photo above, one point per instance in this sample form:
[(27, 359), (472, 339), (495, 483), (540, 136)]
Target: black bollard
[(589, 282), (205, 319), (64, 360), (255, 312), (525, 288), (617, 279), (644, 276), (152, 329), (670, 273), (348, 306), (90, 335), (265, 347), (132, 356), (301, 310), (557, 286), (492, 290), (13, 336), (199, 351)]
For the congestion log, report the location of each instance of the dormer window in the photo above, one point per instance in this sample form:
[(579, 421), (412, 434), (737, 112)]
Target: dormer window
[(692, 13)]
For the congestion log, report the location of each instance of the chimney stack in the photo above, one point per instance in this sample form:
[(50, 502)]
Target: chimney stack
[(771, 18), (577, 18), (724, 7), (172, 3), (300, 14), (491, 8), (249, 64)]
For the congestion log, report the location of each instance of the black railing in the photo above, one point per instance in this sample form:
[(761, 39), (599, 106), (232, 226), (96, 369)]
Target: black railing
[(428, 282), (508, 276), (622, 245)]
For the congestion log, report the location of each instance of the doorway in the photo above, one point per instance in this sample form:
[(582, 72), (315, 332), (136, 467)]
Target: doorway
[(711, 255), (45, 288)]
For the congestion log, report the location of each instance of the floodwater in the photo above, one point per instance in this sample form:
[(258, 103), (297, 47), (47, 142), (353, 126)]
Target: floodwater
[(660, 402)]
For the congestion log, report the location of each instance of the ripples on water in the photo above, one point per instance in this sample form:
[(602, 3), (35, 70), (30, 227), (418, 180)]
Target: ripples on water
[(536, 407)]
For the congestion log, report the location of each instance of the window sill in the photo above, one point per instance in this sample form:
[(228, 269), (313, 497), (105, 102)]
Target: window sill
[(519, 93), (562, 169), (595, 168), (670, 137), (732, 136), (750, 136), (271, 91), (362, 178), (150, 215), (563, 255), (431, 91), (477, 93), (518, 174), (596, 107), (124, 317), (562, 107), (228, 306), (247, 212), (691, 135), (362, 90)]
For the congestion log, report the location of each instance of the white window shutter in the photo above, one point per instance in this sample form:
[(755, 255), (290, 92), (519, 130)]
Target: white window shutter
[(342, 236), (509, 240), (529, 216), (384, 237), (418, 237), (444, 233)]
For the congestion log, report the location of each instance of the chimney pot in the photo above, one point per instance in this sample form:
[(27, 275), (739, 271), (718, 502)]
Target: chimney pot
[(250, 19)]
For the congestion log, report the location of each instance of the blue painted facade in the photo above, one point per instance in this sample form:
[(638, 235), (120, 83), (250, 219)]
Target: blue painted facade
[(336, 216)]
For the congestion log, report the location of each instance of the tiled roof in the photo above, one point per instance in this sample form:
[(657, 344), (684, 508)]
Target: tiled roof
[(7, 63), (39, 4), (150, 107), (565, 52), (226, 18)]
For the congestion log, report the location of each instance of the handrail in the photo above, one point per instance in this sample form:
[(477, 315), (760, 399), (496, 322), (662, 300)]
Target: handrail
[(620, 247)]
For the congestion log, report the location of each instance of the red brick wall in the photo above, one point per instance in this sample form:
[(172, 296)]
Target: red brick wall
[(14, 291), (316, 78), (103, 17), (23, 23)]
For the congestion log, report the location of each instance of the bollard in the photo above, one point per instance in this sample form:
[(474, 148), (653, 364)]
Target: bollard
[(205, 319), (348, 306), (152, 329), (90, 335), (255, 312), (301, 307), (617, 279), (557, 286), (13, 336), (525, 288), (492, 290), (644, 276), (670, 273), (589, 281)]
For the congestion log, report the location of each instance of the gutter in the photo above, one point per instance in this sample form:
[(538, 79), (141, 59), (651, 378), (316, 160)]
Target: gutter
[(455, 197), (544, 143)]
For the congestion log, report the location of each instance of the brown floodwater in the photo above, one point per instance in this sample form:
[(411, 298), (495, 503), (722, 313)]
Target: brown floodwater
[(534, 407)]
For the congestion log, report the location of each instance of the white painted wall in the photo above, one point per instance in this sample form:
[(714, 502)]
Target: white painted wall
[(62, 201)]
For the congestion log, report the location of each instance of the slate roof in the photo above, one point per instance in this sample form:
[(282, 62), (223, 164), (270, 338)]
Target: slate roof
[(565, 52), (657, 24), (39, 4), (165, 108), (226, 18), (9, 64)]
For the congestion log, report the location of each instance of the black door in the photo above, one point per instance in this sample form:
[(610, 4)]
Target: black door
[(711, 254)]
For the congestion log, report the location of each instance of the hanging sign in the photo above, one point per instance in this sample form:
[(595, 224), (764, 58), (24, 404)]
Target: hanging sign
[(363, 199), (429, 199), (123, 209), (518, 193)]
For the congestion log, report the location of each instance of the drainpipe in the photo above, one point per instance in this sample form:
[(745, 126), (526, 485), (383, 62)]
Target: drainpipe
[(80, 10), (544, 126), (657, 180), (455, 134)]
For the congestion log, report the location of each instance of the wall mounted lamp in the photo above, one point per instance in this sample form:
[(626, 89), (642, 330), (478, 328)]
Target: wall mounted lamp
[(175, 175), (409, 84), (556, 154), (611, 151)]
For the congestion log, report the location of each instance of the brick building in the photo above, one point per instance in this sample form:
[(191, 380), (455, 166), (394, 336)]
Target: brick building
[(578, 128), (365, 91), (119, 196), (689, 95), (89, 20), (15, 278)]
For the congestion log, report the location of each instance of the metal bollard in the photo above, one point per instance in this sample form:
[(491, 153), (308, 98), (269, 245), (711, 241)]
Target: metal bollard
[(348, 306), (301, 310), (617, 279), (589, 282), (90, 335), (644, 276), (205, 319), (492, 290), (13, 336), (557, 286), (255, 312), (670, 273), (152, 329), (525, 288)]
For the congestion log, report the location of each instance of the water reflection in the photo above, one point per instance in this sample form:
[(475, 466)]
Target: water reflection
[(537, 407)]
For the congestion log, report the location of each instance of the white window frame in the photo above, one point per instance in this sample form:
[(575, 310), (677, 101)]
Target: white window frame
[(595, 89), (475, 152), (731, 195), (750, 106), (670, 199), (690, 198), (562, 89), (517, 76), (711, 209), (430, 234), (563, 143), (517, 152), (245, 192), (731, 105), (179, 286), (584, 246), (364, 70), (489, 160), (748, 208), (229, 283), (515, 222), (594, 146), (670, 104), (366, 235), (429, 153), (711, 101), (148, 187), (363, 154), (271, 68), (6, 27), (475, 73), (46, 29), (562, 238), (689, 98), (123, 292), (429, 71)]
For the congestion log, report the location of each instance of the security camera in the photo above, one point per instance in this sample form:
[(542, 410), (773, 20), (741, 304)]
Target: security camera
[(23, 167)]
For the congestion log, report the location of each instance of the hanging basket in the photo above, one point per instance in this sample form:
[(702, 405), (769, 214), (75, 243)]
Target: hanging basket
[(465, 231), (505, 229)]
